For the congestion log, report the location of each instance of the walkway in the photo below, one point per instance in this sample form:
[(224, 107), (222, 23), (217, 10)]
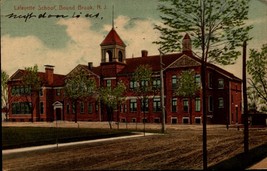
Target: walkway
[(26, 149)]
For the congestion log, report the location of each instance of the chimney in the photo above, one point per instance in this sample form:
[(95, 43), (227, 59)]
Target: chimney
[(49, 74), (187, 46), (144, 53), (90, 65)]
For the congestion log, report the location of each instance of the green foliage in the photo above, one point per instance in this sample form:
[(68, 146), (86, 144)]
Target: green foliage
[(79, 85), (143, 77), (32, 79), (257, 68), (216, 27), (4, 88), (112, 97), (186, 85)]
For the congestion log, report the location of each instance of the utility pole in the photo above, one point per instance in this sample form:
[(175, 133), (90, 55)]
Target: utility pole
[(245, 114), (162, 93)]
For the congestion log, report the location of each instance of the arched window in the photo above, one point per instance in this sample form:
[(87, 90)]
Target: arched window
[(120, 56), (109, 56)]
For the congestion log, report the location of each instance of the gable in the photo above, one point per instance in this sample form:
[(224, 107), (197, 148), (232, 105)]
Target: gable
[(17, 75), (80, 68), (184, 61)]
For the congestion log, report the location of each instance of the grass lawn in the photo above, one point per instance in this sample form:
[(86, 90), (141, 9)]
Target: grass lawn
[(16, 137)]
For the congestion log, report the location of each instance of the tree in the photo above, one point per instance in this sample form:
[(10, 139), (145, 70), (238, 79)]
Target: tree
[(187, 87), (257, 68), (112, 97), (143, 79), (79, 86), (217, 28), (32, 80), (4, 92)]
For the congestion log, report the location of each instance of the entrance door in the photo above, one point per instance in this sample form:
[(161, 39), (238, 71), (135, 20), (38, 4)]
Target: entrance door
[(58, 114)]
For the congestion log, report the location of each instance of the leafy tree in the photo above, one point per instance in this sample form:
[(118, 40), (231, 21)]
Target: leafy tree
[(187, 87), (143, 79), (112, 97), (4, 92), (32, 80), (217, 28), (79, 86), (257, 68)]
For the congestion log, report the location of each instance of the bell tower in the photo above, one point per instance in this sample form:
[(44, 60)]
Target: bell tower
[(112, 48)]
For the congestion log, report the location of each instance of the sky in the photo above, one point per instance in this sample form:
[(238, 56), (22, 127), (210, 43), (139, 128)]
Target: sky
[(74, 36)]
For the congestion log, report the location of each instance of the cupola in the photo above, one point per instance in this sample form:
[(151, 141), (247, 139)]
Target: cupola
[(187, 46), (112, 48)]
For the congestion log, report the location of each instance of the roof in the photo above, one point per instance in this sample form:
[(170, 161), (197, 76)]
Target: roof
[(153, 61), (112, 39), (95, 70), (167, 60), (58, 79)]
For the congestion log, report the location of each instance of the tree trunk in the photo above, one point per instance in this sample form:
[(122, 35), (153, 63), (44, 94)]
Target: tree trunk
[(76, 102), (109, 113), (190, 109), (204, 115)]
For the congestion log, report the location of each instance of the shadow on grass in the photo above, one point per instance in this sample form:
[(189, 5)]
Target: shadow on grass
[(242, 161)]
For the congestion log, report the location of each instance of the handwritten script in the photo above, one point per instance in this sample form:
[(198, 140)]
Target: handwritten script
[(31, 15)]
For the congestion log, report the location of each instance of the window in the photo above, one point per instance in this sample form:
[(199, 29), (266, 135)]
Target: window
[(82, 107), (133, 84), (174, 120), (198, 120), (210, 103), (90, 108), (210, 80), (125, 108), (96, 107), (20, 90), (121, 108), (174, 104), (58, 92), (197, 79), (73, 108), (156, 105), (21, 108), (144, 105), (108, 83), (220, 102), (40, 92), (185, 104), (197, 103), (133, 119), (123, 120), (174, 82), (120, 56), (185, 120), (156, 83), (41, 107), (68, 108), (144, 83), (220, 83), (133, 105), (144, 120), (156, 120)]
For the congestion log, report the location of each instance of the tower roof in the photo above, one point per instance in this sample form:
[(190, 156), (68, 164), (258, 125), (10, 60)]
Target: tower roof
[(187, 36), (112, 39)]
